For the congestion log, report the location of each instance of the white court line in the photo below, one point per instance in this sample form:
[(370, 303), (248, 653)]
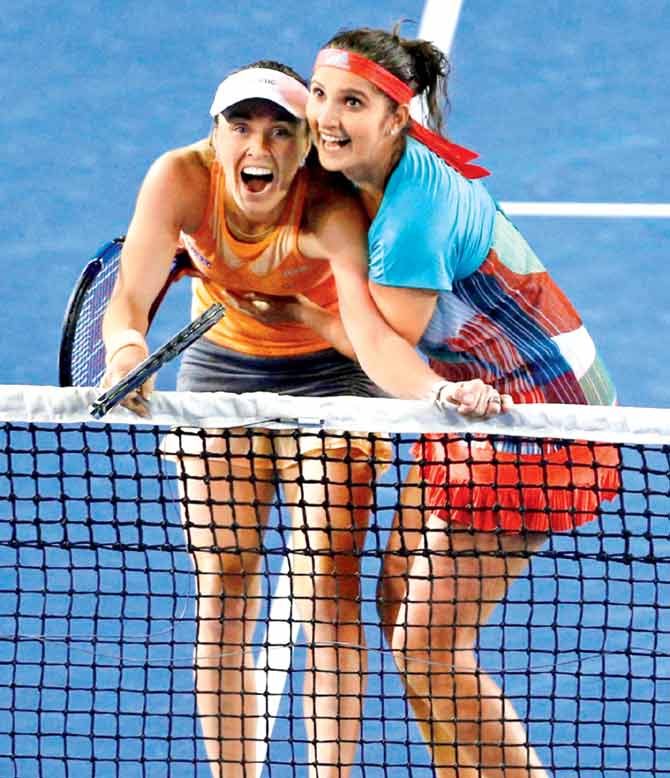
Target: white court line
[(275, 658), (439, 21), (438, 25), (597, 210), (274, 663)]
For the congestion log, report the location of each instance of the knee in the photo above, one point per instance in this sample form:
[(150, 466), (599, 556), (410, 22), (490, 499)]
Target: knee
[(426, 672), (210, 636), (329, 593), (235, 578), (224, 584), (425, 629), (222, 621), (330, 574), (392, 586), (337, 601)]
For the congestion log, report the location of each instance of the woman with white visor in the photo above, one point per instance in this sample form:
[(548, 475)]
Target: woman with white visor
[(260, 220)]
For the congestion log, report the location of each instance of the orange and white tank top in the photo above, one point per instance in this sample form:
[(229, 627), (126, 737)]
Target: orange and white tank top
[(271, 266)]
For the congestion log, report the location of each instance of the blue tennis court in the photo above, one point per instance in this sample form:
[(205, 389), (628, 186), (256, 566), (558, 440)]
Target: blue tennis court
[(568, 102)]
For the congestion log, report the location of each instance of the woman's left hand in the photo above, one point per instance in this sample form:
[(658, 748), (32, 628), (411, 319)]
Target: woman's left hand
[(473, 398)]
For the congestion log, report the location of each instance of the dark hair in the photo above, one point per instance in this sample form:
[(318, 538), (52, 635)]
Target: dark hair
[(418, 63)]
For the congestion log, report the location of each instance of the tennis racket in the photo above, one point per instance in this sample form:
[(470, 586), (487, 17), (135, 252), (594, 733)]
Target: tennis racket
[(81, 357), (168, 351)]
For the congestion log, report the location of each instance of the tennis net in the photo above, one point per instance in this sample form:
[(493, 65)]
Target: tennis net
[(257, 584)]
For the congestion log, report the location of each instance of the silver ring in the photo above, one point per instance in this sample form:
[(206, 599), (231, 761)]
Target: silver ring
[(495, 398)]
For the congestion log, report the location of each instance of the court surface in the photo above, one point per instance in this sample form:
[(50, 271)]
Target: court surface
[(565, 103)]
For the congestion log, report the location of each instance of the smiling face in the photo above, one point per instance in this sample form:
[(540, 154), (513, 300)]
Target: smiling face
[(354, 126), (260, 149)]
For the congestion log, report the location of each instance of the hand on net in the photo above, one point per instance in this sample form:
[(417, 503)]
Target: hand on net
[(269, 309), (472, 398), (122, 363)]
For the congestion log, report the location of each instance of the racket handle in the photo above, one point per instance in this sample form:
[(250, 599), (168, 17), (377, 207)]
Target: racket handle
[(152, 364)]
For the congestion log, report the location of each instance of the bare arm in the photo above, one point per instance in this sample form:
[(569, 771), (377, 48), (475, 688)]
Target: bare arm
[(327, 324), (386, 356), (161, 211), (384, 331)]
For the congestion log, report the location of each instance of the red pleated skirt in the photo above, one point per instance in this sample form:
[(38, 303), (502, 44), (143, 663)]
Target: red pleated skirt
[(470, 482)]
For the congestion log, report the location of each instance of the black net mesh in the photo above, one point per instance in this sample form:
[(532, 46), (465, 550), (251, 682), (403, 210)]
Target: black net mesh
[(177, 602)]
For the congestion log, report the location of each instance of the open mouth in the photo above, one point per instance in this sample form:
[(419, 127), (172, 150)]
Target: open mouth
[(334, 142), (257, 179)]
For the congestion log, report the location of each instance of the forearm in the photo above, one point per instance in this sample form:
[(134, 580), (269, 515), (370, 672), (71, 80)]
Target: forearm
[(123, 325), (124, 330), (396, 366), (123, 314)]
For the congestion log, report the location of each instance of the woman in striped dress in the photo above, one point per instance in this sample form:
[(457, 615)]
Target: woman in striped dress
[(446, 274)]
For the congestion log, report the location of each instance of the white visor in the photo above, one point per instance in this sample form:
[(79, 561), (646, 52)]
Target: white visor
[(261, 84)]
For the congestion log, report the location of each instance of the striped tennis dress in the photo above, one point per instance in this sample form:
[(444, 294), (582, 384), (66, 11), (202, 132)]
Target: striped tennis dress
[(500, 317)]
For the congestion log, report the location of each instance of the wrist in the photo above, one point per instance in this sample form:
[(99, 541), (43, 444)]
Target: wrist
[(122, 340), (440, 392)]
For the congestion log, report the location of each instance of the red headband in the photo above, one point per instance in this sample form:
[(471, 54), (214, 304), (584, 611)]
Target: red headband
[(456, 156)]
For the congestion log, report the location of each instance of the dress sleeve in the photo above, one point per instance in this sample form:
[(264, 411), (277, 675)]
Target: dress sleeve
[(410, 245)]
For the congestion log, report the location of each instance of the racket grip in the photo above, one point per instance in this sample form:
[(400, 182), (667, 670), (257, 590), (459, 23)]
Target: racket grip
[(152, 364)]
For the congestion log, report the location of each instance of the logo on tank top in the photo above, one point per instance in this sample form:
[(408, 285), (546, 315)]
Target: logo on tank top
[(195, 254)]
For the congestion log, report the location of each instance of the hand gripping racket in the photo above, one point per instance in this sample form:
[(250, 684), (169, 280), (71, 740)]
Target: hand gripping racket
[(155, 361)]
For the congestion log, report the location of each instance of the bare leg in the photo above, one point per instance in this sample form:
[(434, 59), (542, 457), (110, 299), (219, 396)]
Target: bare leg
[(328, 534), (405, 540), (432, 606), (220, 513)]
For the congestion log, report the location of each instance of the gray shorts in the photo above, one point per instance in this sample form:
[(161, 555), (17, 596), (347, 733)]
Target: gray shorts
[(208, 367)]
